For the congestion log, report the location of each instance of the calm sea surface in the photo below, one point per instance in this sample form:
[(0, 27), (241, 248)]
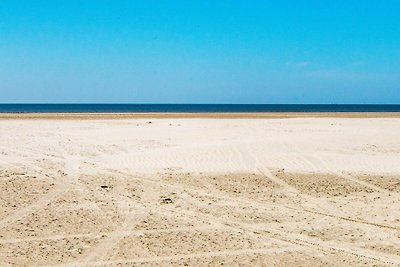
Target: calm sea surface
[(121, 108)]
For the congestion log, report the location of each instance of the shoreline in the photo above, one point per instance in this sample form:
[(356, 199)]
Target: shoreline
[(183, 115)]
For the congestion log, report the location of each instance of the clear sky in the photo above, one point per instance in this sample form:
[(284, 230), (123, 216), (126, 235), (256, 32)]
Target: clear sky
[(207, 51)]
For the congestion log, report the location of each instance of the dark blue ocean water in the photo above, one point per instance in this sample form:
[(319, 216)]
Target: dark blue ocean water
[(125, 108)]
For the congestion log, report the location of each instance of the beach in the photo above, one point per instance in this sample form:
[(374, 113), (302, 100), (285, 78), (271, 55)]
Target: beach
[(249, 189)]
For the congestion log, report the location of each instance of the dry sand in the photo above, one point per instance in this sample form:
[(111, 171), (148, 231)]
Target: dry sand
[(205, 191)]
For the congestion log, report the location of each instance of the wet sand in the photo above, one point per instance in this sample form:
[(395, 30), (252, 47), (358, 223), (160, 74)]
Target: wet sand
[(200, 190), (219, 115)]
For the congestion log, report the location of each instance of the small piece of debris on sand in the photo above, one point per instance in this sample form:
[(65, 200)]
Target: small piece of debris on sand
[(166, 200)]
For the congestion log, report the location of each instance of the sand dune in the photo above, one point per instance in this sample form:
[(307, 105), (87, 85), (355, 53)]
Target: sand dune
[(314, 191)]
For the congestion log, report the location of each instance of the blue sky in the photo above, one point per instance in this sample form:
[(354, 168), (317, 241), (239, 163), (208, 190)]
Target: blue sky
[(200, 51)]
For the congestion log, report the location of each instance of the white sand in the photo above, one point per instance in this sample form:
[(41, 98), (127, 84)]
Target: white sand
[(296, 191)]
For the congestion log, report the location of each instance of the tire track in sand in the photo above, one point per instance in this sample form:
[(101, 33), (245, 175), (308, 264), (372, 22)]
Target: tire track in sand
[(299, 240), (290, 189), (132, 212), (26, 210), (61, 186)]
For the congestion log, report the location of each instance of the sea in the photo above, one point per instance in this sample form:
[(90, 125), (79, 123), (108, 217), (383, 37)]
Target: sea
[(191, 108)]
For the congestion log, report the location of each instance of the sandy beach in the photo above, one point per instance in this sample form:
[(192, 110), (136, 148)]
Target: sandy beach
[(200, 190)]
